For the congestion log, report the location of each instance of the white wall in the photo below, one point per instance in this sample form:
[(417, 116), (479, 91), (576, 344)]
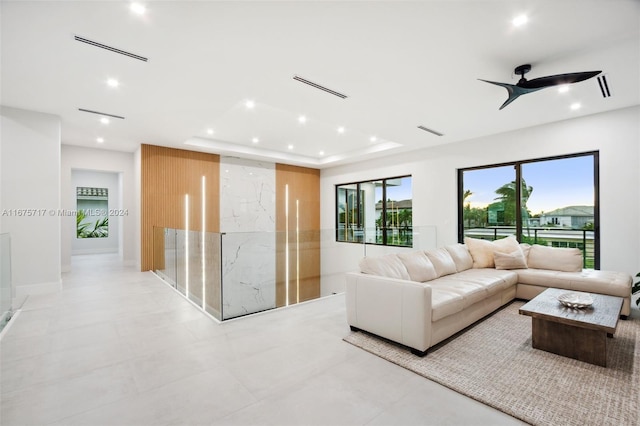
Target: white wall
[(616, 135), (29, 179), (122, 163), (111, 181)]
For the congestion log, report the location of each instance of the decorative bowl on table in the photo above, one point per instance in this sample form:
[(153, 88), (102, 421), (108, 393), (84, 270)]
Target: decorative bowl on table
[(575, 300)]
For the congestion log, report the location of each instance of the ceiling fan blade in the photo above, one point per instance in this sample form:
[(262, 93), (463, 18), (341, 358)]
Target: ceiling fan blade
[(559, 79), (513, 90)]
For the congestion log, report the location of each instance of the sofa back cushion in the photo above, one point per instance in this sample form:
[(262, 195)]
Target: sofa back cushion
[(461, 256), (389, 266), (555, 259), (482, 250), (442, 261), (418, 266), (525, 250)]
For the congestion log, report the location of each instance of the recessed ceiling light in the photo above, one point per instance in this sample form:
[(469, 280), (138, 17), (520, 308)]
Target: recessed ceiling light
[(100, 140), (373, 139), (137, 8), (289, 146), (340, 129), (302, 119), (321, 153), (575, 106), (563, 89), (104, 120), (250, 104), (209, 131), (520, 20), (112, 82), (255, 140)]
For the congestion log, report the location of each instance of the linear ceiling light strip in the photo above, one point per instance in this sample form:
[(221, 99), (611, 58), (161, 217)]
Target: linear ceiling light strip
[(112, 49), (101, 113), (426, 129), (318, 86)]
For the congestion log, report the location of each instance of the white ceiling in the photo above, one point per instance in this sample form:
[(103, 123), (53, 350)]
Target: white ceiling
[(401, 64)]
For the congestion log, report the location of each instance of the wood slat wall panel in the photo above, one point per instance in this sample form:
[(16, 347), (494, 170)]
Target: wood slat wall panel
[(167, 175), (304, 248)]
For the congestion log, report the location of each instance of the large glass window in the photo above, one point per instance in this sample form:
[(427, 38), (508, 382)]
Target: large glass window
[(549, 201), (363, 215)]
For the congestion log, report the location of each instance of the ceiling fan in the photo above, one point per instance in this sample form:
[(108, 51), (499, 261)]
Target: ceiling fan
[(525, 86)]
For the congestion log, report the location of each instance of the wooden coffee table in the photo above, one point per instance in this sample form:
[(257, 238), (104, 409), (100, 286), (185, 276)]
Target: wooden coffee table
[(575, 333)]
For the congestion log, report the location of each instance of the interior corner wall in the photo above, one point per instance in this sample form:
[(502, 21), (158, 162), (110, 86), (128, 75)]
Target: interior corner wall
[(167, 174), (615, 134), (30, 198), (102, 160)]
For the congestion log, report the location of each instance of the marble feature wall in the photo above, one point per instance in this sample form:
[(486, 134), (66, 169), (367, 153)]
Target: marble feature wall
[(247, 222)]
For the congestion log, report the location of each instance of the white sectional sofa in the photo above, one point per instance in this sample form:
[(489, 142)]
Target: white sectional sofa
[(420, 298)]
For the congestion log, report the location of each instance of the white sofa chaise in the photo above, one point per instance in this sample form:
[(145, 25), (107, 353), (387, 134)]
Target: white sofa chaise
[(420, 298)]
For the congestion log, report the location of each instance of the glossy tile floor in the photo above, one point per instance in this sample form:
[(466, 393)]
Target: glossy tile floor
[(119, 347)]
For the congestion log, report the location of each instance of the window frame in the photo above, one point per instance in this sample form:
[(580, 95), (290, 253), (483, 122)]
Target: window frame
[(359, 213), (518, 178)]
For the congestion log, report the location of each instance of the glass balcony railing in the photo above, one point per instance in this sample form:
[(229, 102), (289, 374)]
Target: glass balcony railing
[(229, 275), (553, 237)]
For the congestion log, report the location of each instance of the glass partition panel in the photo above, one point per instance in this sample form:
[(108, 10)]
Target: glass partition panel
[(164, 254), (6, 287), (211, 274), (234, 274)]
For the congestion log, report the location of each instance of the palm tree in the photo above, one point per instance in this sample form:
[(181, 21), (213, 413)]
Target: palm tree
[(467, 207), (507, 196)]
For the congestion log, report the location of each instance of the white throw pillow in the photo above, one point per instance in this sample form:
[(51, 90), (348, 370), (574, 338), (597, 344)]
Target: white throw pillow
[(389, 266), (482, 250), (461, 256), (418, 266), (513, 260), (442, 261), (555, 259)]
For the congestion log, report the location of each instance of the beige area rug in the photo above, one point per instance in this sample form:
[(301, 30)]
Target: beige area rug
[(493, 362)]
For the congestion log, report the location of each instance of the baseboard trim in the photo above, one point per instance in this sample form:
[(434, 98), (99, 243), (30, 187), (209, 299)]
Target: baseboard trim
[(41, 288), (94, 251)]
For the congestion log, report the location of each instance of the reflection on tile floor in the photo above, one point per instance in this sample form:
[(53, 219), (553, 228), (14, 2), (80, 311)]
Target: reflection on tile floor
[(119, 347)]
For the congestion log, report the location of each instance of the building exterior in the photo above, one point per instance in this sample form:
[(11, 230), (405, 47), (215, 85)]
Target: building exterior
[(574, 217)]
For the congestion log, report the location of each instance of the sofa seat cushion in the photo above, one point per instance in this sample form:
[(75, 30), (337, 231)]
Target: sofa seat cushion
[(453, 293), (492, 280), (444, 302), (588, 280)]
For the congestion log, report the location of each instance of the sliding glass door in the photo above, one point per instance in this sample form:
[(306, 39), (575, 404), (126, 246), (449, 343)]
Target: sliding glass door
[(550, 201)]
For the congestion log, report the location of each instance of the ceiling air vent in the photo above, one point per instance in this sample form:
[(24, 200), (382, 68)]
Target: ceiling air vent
[(604, 86), (318, 86), (426, 129), (101, 113), (112, 49)]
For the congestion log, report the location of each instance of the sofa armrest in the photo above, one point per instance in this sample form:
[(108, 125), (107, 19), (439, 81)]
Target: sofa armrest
[(395, 309)]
